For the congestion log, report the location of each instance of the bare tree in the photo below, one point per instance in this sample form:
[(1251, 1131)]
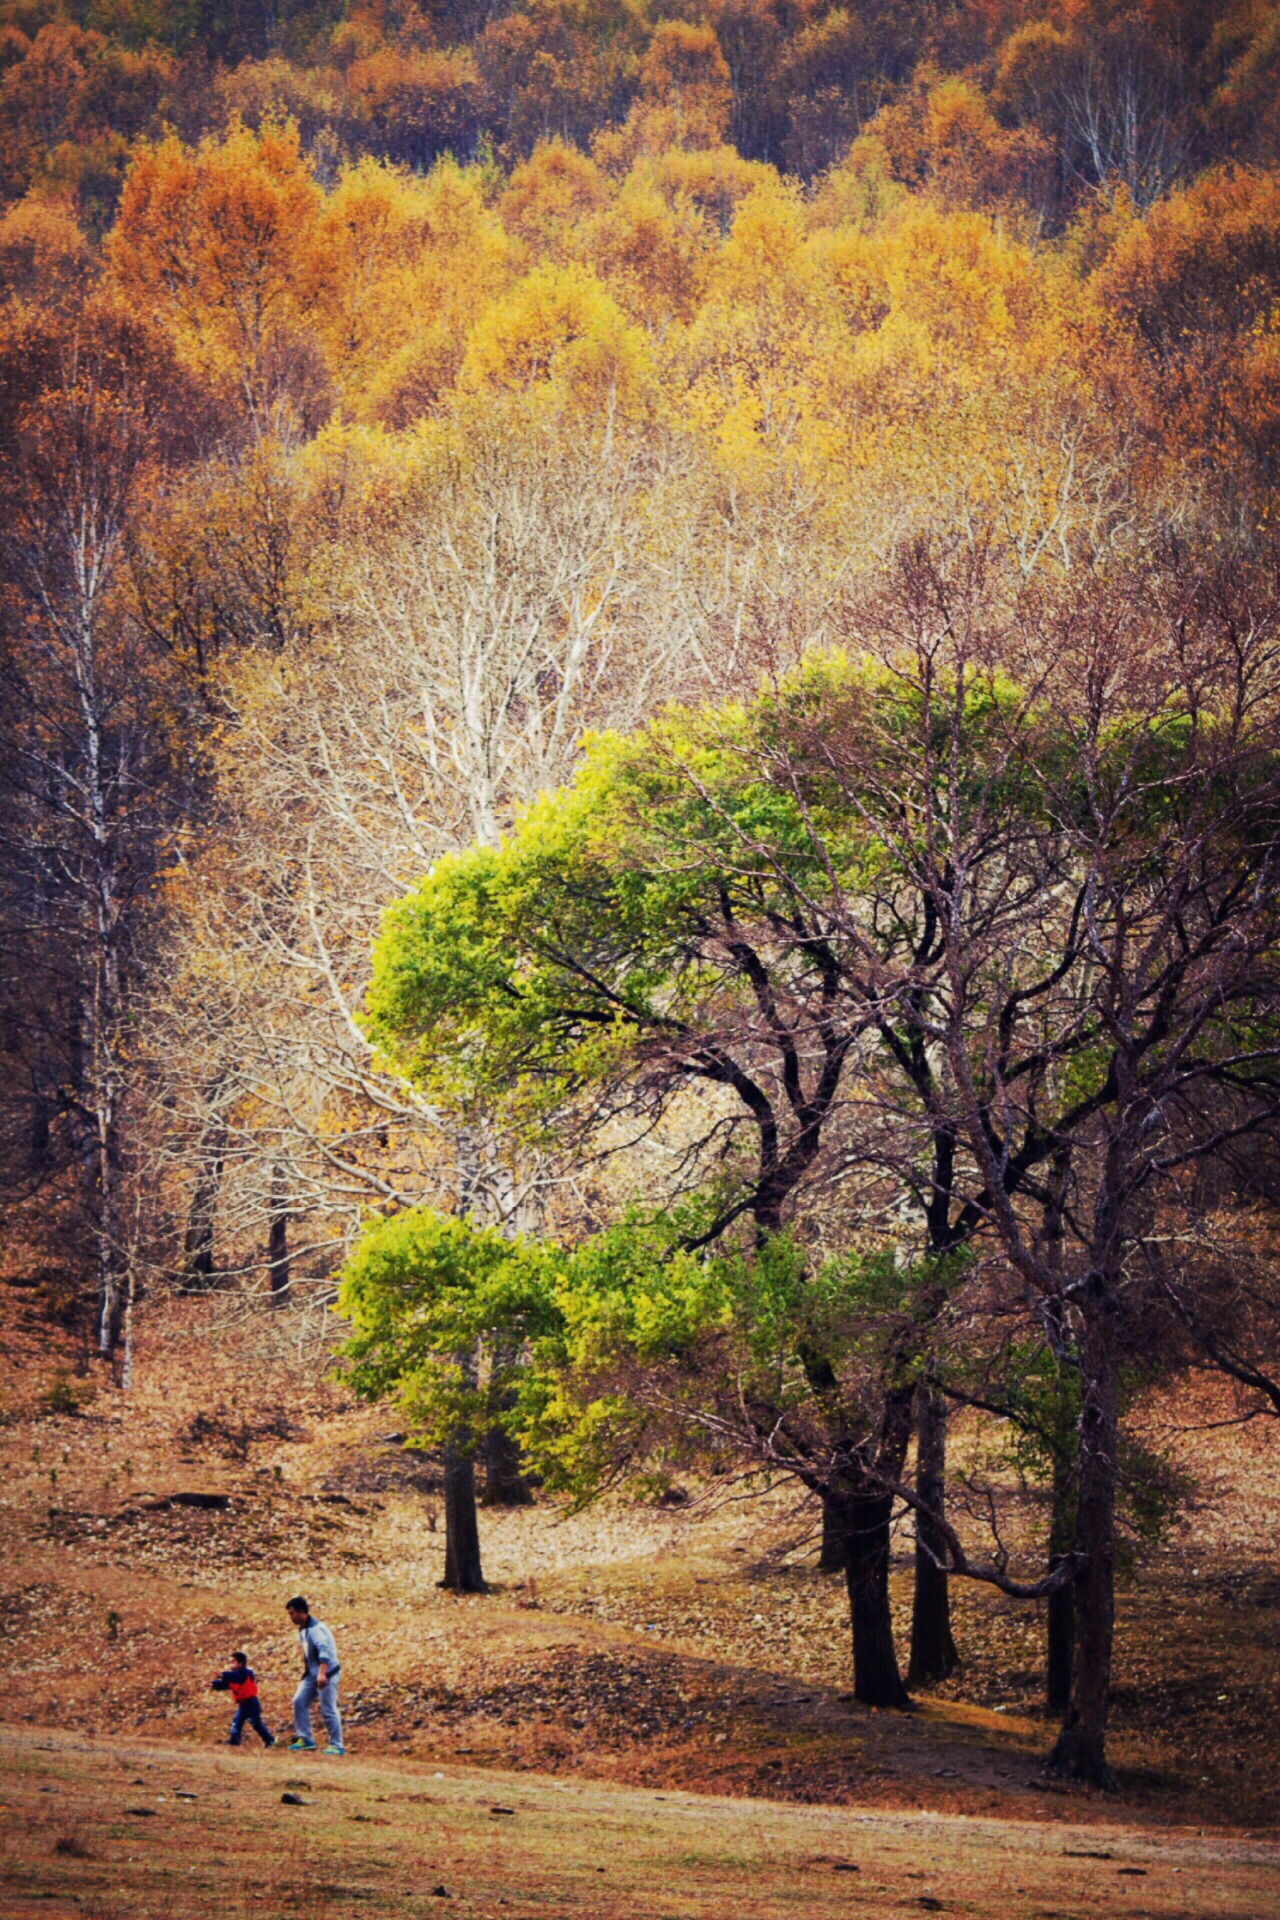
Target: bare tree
[(517, 592), (92, 409)]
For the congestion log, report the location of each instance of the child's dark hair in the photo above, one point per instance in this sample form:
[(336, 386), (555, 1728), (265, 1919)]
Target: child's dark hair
[(239, 1659)]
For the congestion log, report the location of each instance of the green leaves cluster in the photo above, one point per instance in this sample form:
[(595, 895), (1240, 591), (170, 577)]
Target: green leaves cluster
[(601, 930), (627, 1349), (756, 896)]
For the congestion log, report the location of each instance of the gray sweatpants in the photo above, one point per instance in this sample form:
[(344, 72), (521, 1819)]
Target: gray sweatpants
[(328, 1697)]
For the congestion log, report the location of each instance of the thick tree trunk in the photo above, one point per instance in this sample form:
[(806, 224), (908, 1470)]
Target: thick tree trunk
[(933, 1648), (462, 1570), (504, 1484), (876, 1680), (278, 1235), (1060, 1625), (835, 1546), (1080, 1752), (197, 1246)]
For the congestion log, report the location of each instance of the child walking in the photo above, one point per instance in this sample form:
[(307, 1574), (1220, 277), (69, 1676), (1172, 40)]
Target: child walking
[(238, 1681)]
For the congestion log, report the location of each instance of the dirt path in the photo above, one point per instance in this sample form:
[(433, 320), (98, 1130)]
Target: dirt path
[(125, 1829)]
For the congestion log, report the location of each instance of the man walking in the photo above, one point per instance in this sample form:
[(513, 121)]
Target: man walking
[(320, 1670)]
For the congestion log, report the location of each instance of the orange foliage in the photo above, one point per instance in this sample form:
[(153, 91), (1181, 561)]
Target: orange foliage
[(684, 98), (1198, 283), (653, 253), (416, 105), (943, 138), (216, 242), (44, 257), (1245, 107)]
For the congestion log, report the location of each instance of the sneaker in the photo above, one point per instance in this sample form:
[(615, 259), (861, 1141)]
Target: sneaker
[(339, 1753), (302, 1746), (270, 1740)]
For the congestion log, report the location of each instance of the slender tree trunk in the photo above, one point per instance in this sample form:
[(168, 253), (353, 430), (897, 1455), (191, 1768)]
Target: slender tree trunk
[(110, 1243), (876, 1680), (44, 1073), (462, 1570), (1060, 1625), (101, 875), (278, 1235), (933, 1649), (83, 1140), (108, 1151), (834, 1551), (197, 1253), (1080, 1752)]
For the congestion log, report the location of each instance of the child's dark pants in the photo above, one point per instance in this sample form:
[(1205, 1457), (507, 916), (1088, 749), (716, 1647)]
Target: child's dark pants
[(249, 1713)]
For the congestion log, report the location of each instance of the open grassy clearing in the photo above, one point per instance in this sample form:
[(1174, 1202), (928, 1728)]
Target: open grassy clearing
[(127, 1829)]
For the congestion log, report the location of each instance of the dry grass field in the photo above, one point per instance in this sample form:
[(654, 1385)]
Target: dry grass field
[(661, 1691), (126, 1829)]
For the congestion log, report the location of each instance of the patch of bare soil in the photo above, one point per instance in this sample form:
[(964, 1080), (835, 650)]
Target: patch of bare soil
[(688, 1647)]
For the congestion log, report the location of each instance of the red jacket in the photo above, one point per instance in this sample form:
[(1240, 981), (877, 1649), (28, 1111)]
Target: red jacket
[(239, 1683)]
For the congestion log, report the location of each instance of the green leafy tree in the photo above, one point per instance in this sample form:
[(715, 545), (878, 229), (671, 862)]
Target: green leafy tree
[(664, 927), (905, 933)]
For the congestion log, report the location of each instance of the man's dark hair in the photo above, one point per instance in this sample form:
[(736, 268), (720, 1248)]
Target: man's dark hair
[(298, 1602), (239, 1659)]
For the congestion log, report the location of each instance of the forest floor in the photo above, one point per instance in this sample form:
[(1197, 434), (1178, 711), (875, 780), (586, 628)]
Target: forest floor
[(687, 1650)]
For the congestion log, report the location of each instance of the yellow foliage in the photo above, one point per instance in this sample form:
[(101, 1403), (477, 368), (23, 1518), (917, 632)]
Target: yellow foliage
[(764, 256), (400, 268), (653, 254), (550, 195), (559, 329), (741, 368), (715, 180), (861, 191)]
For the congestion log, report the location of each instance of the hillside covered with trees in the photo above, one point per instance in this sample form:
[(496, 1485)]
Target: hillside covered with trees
[(640, 744)]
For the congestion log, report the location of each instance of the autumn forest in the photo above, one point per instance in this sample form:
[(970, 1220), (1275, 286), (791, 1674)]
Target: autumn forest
[(640, 753)]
